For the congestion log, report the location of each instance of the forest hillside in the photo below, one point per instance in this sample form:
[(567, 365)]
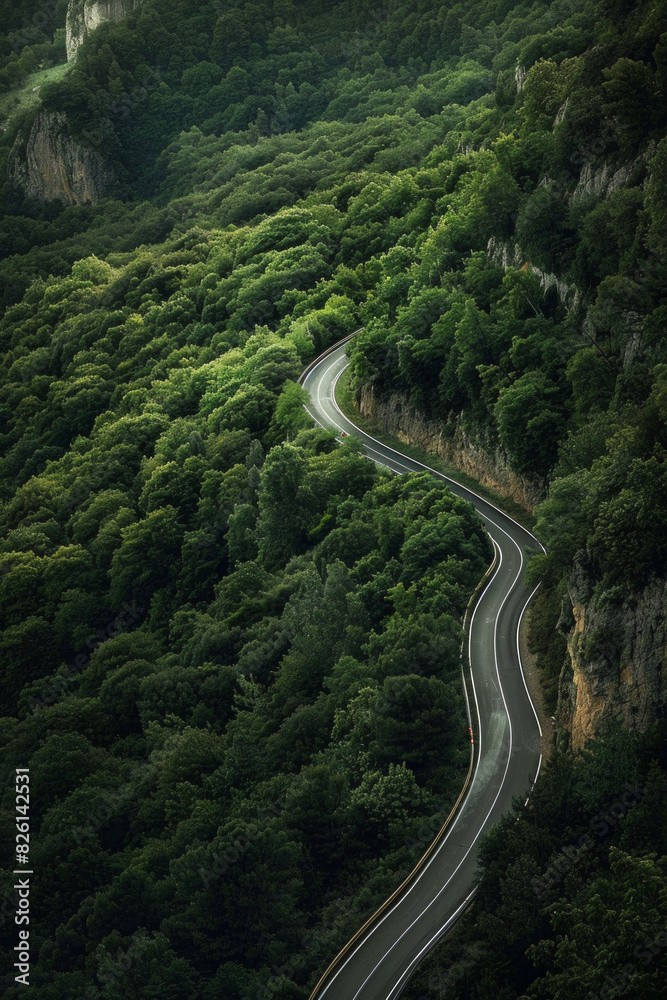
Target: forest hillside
[(230, 645)]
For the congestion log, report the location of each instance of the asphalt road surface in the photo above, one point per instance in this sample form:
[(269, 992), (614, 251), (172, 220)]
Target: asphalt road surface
[(506, 731)]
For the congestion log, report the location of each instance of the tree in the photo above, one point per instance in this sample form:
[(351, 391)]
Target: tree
[(627, 949), (629, 94), (290, 415), (416, 643), (147, 967), (173, 485), (418, 720), (95, 511), (388, 801), (60, 764), (530, 416), (283, 507), (21, 584), (148, 557), (263, 880), (120, 692), (67, 567), (544, 92), (250, 408), (112, 655), (593, 380), (656, 202), (17, 650), (241, 536), (562, 520)]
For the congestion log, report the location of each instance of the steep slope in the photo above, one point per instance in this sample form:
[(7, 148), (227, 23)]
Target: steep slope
[(507, 736), (84, 16), (46, 164), (482, 187)]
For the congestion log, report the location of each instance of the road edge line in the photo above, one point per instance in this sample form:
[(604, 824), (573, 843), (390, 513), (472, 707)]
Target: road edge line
[(474, 597)]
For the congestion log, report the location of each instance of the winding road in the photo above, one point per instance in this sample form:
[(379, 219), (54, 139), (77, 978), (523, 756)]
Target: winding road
[(378, 964)]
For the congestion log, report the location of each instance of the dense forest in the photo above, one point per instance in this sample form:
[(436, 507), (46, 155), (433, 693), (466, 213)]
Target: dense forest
[(230, 645)]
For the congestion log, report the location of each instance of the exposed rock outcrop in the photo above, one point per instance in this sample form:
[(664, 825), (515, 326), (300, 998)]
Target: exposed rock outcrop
[(48, 164), (478, 457), (602, 182), (511, 255), (617, 642), (83, 16), (616, 651)]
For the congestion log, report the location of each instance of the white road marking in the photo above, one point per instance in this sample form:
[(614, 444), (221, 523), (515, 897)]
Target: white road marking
[(401, 463)]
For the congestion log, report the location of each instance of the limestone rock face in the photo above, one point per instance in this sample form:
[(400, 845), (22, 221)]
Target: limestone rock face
[(482, 459), (83, 16), (617, 642), (602, 182), (507, 255), (49, 164), (616, 651)]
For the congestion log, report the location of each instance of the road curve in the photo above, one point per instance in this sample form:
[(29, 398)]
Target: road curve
[(507, 736)]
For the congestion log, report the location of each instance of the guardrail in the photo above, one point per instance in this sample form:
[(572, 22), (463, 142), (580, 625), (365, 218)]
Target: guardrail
[(325, 354)]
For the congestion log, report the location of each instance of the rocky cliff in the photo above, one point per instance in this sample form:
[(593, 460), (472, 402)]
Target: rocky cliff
[(83, 16), (616, 655), (48, 164), (507, 255), (601, 183), (616, 642), (478, 457)]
